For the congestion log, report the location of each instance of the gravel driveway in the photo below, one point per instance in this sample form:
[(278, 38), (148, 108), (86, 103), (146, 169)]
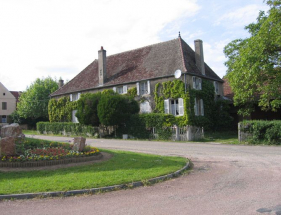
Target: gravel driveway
[(226, 179)]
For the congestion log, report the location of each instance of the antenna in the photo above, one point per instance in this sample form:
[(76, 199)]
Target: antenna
[(177, 74)]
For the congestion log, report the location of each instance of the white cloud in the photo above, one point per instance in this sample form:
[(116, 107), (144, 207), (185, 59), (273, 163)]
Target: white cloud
[(60, 38), (240, 17)]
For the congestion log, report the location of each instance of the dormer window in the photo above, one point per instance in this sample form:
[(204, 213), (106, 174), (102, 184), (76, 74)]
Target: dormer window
[(197, 83)]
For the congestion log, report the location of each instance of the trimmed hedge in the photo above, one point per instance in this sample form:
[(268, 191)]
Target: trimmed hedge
[(140, 125), (268, 132), (66, 127)]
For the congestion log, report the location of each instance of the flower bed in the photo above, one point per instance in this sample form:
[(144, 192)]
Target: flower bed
[(32, 151)]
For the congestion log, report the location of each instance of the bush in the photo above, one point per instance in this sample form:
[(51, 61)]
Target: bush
[(268, 132), (66, 127), (87, 109), (116, 109)]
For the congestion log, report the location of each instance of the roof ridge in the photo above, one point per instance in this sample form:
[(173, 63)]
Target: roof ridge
[(142, 47), (182, 57)]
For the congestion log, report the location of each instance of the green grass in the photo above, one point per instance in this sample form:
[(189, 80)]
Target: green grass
[(30, 132), (123, 167), (224, 137)]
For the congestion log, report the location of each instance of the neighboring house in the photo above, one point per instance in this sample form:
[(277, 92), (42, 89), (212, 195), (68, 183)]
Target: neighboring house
[(257, 114), (143, 68), (8, 102)]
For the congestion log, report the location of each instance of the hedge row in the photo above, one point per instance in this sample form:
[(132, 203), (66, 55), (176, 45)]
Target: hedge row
[(66, 127), (268, 132)]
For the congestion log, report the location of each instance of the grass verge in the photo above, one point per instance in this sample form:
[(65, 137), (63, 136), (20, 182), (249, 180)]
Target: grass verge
[(224, 137), (124, 167)]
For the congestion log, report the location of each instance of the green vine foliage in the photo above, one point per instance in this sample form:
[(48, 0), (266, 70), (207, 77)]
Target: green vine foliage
[(216, 112), (172, 90), (132, 92), (61, 110)]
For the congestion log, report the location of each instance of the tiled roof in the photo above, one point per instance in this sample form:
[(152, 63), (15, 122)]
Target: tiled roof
[(154, 61), (227, 91), (16, 94)]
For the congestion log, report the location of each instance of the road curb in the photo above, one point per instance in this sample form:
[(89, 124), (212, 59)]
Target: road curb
[(96, 190)]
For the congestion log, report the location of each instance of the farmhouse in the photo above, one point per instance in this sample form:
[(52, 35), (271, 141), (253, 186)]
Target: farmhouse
[(143, 69)]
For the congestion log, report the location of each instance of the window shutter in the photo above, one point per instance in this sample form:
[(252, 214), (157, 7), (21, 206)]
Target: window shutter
[(70, 97), (181, 109), (202, 107), (114, 89), (148, 87), (138, 88), (78, 96), (216, 87), (167, 106), (195, 107), (194, 82), (200, 83), (125, 89)]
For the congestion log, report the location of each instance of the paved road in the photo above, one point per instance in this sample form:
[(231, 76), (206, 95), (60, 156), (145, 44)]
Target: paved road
[(226, 179)]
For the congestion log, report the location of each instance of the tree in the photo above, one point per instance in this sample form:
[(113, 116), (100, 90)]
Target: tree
[(87, 109), (33, 103), (254, 66), (116, 109)]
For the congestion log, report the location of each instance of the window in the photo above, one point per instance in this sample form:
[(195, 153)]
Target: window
[(74, 118), (143, 88), (4, 119), (198, 107), (174, 106), (216, 85), (74, 97), (197, 83), (121, 90), (145, 107), (4, 105)]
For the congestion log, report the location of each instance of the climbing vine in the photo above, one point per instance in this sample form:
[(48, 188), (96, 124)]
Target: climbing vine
[(61, 110), (132, 92), (172, 89)]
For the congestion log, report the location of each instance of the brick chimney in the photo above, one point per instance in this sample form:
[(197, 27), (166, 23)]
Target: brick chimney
[(102, 66), (61, 83), (199, 56)]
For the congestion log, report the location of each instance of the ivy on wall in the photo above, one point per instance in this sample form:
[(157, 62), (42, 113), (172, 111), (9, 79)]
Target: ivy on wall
[(216, 115), (172, 90), (61, 110)]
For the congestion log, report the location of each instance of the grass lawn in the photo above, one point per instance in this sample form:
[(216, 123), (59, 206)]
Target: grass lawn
[(123, 167)]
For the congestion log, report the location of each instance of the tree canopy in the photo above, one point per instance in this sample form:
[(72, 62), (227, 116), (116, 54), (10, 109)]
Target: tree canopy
[(254, 67), (33, 103)]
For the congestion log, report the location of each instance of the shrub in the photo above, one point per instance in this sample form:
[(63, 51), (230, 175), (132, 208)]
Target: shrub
[(66, 127), (87, 109), (267, 132)]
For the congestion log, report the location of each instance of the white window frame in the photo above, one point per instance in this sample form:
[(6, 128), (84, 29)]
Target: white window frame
[(121, 89), (198, 107), (74, 97), (143, 88), (174, 106), (216, 86), (196, 83)]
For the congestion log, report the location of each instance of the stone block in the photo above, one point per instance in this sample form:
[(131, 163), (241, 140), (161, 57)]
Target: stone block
[(7, 146), (79, 143), (13, 130)]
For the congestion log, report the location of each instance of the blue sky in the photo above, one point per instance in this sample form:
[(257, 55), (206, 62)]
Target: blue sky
[(59, 38)]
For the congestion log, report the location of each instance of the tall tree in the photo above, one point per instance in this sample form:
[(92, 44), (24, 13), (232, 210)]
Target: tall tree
[(33, 103), (254, 66)]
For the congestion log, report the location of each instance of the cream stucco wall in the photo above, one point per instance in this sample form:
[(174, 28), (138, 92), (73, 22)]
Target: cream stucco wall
[(6, 96)]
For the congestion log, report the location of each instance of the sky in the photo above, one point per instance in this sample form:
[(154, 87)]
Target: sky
[(59, 38)]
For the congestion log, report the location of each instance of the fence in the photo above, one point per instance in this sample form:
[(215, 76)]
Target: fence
[(186, 133)]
